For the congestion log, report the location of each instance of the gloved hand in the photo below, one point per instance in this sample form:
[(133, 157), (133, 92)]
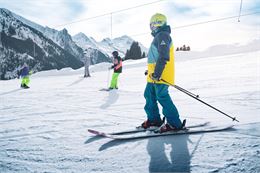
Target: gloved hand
[(154, 77), (146, 72)]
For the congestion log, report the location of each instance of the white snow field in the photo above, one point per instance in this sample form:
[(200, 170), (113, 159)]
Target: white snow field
[(44, 128)]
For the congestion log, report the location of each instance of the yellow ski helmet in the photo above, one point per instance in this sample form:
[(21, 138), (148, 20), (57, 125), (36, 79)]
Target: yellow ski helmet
[(157, 20)]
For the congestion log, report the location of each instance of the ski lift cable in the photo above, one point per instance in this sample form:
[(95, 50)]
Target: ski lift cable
[(106, 14), (200, 23), (214, 20)]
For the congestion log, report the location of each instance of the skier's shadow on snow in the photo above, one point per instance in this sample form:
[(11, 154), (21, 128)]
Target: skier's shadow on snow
[(111, 99), (9, 92), (77, 81), (179, 157)]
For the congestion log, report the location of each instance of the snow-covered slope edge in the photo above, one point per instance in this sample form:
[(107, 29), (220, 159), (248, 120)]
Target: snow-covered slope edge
[(44, 129)]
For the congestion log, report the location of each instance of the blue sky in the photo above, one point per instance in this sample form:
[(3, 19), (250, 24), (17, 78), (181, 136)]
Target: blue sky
[(133, 22)]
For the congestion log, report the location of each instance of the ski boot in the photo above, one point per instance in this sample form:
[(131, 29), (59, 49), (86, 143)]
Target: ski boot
[(25, 86), (167, 127), (148, 124)]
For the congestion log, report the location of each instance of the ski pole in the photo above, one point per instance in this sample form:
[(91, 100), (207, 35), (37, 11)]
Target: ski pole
[(191, 95), (186, 91), (108, 76)]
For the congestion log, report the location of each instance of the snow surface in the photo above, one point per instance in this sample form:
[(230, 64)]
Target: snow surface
[(44, 128)]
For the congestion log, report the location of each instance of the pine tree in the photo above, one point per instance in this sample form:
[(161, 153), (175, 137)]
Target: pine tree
[(184, 48), (127, 55), (134, 52), (143, 56)]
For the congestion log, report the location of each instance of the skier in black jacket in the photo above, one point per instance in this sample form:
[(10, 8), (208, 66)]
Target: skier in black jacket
[(117, 70)]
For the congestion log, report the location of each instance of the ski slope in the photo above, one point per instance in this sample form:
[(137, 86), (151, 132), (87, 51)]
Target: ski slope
[(44, 128)]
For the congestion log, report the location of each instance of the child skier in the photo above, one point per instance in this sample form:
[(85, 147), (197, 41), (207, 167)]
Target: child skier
[(24, 73), (117, 70), (160, 66)]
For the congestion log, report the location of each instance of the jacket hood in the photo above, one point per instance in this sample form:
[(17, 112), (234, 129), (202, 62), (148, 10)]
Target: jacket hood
[(166, 28)]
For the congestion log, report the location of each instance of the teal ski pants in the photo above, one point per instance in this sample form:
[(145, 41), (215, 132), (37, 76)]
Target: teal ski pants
[(159, 92)]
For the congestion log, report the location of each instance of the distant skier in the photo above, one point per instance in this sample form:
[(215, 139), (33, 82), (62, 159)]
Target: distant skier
[(117, 70), (87, 64), (160, 67), (24, 73)]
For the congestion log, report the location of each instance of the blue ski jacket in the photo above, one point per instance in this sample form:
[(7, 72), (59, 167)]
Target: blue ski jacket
[(24, 72), (161, 57)]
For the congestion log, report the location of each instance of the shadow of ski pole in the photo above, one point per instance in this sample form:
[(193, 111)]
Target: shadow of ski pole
[(9, 92), (75, 82)]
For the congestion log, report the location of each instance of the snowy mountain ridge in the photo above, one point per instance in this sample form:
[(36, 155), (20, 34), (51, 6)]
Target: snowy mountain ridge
[(63, 39), (107, 46), (22, 43), (16, 30)]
